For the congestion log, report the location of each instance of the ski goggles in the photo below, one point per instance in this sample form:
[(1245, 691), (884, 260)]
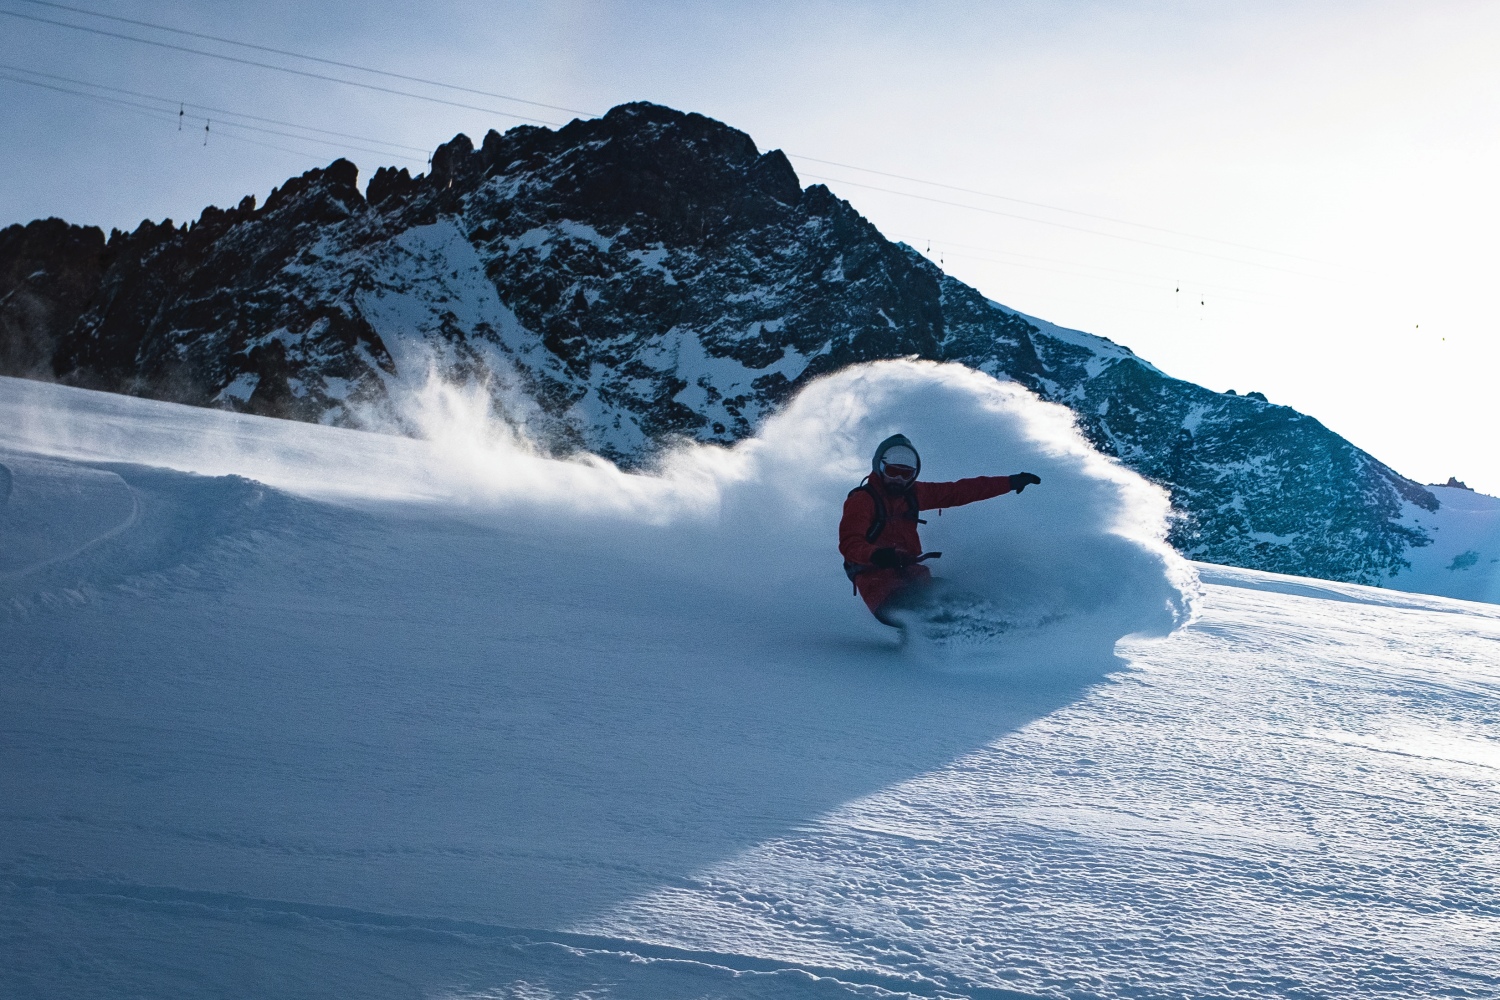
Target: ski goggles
[(899, 473)]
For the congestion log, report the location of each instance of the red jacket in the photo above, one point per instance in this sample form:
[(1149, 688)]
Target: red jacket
[(900, 532)]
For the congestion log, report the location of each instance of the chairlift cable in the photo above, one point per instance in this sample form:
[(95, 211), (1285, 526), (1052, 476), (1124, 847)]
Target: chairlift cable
[(1066, 263), (1060, 225), (272, 66), (163, 112), (1051, 208), (212, 110), (302, 55)]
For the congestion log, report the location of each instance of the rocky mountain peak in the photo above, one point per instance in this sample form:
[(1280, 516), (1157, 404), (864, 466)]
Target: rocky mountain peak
[(623, 282), (320, 195)]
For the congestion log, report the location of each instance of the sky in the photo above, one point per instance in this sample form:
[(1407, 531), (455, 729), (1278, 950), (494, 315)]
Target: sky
[(1295, 198)]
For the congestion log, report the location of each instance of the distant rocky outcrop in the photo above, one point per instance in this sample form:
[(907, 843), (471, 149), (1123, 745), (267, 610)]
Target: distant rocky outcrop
[(625, 281), (49, 273)]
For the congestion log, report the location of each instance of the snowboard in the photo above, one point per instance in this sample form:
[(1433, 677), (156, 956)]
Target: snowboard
[(938, 613)]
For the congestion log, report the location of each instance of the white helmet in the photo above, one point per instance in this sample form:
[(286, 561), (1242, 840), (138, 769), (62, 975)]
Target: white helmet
[(896, 460)]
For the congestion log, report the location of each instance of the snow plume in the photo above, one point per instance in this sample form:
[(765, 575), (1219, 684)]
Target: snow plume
[(464, 420), (1085, 546), (753, 525)]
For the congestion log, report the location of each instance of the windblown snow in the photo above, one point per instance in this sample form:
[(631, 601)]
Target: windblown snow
[(299, 711)]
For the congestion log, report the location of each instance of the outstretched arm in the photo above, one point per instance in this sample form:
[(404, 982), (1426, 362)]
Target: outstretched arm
[(956, 494)]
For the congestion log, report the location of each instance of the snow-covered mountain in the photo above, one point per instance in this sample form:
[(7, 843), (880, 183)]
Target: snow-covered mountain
[(625, 281), (298, 711)]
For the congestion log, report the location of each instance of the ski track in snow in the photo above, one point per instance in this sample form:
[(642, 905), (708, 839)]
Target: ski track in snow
[(389, 727)]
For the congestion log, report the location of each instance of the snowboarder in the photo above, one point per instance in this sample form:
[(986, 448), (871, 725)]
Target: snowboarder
[(878, 532)]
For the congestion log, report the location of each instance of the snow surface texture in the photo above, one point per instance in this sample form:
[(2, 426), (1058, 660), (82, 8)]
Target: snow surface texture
[(288, 710)]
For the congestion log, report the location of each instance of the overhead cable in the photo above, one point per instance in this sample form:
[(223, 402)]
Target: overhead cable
[(948, 245), (160, 115), (1059, 225), (1156, 286), (301, 55), (213, 110), (168, 114), (1051, 208), (273, 66)]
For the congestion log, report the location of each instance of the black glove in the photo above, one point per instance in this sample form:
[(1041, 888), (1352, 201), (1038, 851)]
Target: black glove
[(1020, 480), (891, 558)]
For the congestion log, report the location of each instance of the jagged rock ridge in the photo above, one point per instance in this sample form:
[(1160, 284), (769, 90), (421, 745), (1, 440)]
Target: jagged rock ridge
[(625, 280)]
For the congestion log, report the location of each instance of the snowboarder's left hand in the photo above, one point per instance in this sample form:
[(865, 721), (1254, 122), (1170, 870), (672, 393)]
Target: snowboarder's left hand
[(1020, 480)]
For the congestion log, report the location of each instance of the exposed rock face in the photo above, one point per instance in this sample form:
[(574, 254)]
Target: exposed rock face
[(625, 280), (49, 272)]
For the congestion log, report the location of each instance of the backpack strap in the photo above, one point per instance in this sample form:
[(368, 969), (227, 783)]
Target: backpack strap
[(881, 514), (878, 524)]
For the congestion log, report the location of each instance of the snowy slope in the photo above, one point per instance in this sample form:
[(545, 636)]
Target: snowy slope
[(1464, 558), (289, 710)]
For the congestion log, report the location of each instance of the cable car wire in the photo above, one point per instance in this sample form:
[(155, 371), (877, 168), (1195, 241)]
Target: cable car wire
[(1156, 280), (281, 69), (1056, 208), (212, 110), (301, 55), (1059, 225), (168, 115)]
